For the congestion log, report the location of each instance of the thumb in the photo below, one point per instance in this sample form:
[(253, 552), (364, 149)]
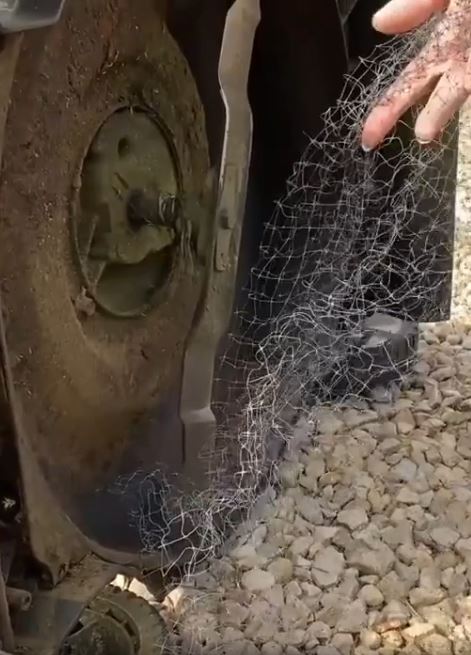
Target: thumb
[(403, 15)]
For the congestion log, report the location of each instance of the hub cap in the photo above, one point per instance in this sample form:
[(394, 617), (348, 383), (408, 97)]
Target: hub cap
[(126, 225)]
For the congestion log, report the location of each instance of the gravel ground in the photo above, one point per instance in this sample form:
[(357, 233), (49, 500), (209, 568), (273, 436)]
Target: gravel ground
[(368, 548)]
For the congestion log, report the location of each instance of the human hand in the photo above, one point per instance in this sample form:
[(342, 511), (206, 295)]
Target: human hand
[(443, 67)]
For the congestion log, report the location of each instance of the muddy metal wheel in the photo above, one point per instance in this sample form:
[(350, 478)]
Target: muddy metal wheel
[(107, 210), (118, 623)]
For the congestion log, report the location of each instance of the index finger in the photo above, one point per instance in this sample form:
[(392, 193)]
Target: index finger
[(399, 16)]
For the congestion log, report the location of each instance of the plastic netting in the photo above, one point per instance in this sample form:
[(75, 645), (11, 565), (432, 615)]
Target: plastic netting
[(353, 256)]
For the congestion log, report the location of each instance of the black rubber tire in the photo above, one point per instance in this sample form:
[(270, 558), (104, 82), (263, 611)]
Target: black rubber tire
[(151, 628)]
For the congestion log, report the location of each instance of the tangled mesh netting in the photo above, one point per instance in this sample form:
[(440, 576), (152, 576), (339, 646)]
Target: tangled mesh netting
[(357, 238)]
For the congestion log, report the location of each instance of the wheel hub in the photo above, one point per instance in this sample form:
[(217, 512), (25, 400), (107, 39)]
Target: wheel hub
[(126, 223), (117, 622), (100, 635)]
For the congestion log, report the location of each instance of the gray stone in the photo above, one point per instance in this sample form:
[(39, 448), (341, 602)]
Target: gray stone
[(310, 509), (408, 497), (444, 536), (310, 589), (343, 642), (244, 552), (430, 577), (463, 547), (389, 445), (327, 567), (271, 648), (281, 569), (421, 596), (259, 630), (327, 650), (368, 561), (294, 615), (440, 616), (405, 471), (328, 423), (231, 634), (301, 545), (315, 467), (370, 639), (355, 418), (332, 612), (407, 553), (288, 473), (319, 630), (233, 613), (405, 421), (293, 637), (258, 536), (257, 580), (354, 618), (435, 645), (378, 501), (394, 616), (342, 538), (399, 534), (408, 574), (291, 650), (371, 595), (350, 585), (392, 587), (353, 519), (324, 534), (274, 596), (457, 585)]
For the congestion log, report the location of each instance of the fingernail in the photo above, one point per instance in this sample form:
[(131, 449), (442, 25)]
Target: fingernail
[(424, 142), (366, 148), (375, 18), (390, 10)]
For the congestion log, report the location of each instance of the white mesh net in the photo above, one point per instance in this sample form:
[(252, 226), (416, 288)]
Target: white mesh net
[(355, 253)]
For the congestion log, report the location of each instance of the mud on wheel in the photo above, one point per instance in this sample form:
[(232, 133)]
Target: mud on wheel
[(106, 234)]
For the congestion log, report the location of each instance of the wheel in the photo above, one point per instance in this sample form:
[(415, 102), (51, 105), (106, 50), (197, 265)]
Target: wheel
[(118, 623), (106, 231)]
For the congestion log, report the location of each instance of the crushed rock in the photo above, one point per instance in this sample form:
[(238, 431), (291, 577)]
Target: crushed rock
[(378, 558)]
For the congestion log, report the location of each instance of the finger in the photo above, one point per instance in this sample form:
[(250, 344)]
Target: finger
[(403, 15), (447, 98), (411, 86), (468, 74)]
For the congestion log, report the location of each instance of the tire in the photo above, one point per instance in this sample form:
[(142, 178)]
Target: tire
[(133, 617)]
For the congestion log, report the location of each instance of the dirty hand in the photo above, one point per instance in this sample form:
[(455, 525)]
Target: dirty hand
[(443, 68)]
